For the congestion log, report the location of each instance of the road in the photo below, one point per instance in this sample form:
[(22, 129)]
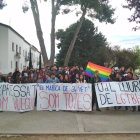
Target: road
[(45, 122)]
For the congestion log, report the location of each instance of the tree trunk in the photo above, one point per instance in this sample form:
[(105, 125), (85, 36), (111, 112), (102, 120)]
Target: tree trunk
[(67, 58), (35, 12), (54, 13)]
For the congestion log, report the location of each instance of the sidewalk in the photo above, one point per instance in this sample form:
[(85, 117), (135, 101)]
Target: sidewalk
[(45, 122)]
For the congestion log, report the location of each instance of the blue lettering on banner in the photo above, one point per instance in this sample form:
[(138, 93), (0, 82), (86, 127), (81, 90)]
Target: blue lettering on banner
[(41, 87), (73, 89), (53, 87), (65, 88)]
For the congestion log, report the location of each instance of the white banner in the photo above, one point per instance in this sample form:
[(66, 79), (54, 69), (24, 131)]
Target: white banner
[(118, 93), (64, 97), (17, 97)]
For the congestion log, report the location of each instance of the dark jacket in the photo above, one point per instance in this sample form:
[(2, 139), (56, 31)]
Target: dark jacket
[(92, 81), (14, 76), (24, 73)]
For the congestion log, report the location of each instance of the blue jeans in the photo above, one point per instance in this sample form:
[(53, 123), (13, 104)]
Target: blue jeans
[(126, 107)]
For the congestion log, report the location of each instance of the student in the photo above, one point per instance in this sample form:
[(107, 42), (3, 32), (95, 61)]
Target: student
[(129, 76), (121, 79), (76, 78), (15, 74), (24, 72), (43, 74), (52, 79), (25, 80), (19, 78), (62, 79), (0, 79), (9, 80), (81, 79), (67, 79), (47, 76), (93, 80), (39, 79), (36, 73), (31, 78)]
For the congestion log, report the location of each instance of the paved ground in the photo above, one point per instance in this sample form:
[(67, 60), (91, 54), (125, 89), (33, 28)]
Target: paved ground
[(76, 137), (45, 122)]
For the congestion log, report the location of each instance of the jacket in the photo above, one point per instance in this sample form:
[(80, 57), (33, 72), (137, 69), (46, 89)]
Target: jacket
[(92, 81), (50, 80)]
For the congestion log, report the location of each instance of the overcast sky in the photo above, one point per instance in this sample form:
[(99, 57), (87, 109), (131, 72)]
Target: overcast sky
[(119, 33)]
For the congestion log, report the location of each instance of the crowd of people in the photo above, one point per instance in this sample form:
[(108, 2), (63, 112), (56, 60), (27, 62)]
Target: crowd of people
[(68, 75)]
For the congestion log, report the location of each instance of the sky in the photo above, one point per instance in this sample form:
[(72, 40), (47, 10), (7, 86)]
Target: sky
[(120, 33)]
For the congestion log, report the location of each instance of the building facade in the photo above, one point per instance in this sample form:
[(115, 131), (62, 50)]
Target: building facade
[(14, 51)]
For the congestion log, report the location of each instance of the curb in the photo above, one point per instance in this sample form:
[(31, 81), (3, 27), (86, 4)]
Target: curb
[(67, 133)]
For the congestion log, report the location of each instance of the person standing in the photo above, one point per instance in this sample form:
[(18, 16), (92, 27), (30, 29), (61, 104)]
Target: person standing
[(95, 79), (24, 72), (121, 79)]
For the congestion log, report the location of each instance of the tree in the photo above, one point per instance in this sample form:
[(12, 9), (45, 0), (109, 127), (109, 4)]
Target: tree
[(135, 17), (2, 4), (30, 60), (56, 5), (87, 45), (137, 51), (96, 9), (40, 61)]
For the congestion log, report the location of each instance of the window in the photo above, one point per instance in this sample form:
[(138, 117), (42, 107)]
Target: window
[(11, 64), (12, 46), (26, 54), (21, 65), (16, 48), (20, 50), (23, 52), (31, 55)]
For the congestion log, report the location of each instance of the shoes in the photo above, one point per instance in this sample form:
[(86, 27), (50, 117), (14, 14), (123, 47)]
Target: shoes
[(50, 110), (98, 110), (57, 110)]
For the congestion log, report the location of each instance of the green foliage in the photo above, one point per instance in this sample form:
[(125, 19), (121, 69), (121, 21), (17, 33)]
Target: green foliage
[(30, 60), (137, 51), (97, 9), (2, 4), (40, 62), (87, 46)]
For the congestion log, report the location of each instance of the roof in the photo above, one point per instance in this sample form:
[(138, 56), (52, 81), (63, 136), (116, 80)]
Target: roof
[(18, 35)]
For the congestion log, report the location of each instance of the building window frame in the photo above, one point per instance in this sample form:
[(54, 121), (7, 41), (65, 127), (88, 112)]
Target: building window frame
[(20, 50), (11, 64), (16, 48), (13, 46)]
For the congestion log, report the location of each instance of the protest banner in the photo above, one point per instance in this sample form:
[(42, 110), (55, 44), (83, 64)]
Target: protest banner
[(64, 97), (118, 93), (17, 97)]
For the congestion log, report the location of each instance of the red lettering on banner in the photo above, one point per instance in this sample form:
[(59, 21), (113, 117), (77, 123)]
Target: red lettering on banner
[(70, 101), (133, 99), (75, 100), (87, 101), (43, 98), (123, 100), (50, 101), (78, 101), (56, 96), (21, 104), (137, 98), (4, 100), (26, 104), (32, 102), (128, 97), (117, 99), (66, 98)]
